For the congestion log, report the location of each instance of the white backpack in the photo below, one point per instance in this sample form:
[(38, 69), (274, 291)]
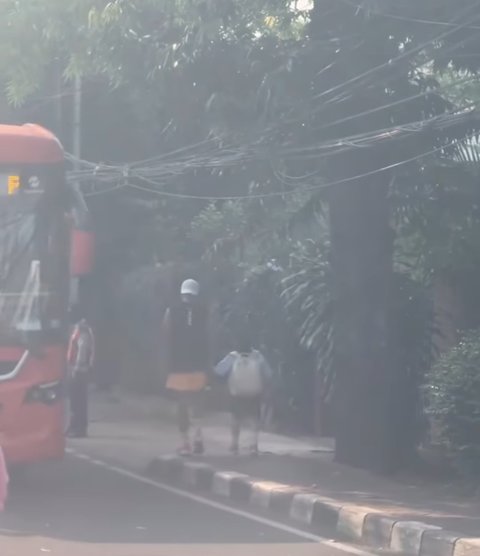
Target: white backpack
[(245, 380)]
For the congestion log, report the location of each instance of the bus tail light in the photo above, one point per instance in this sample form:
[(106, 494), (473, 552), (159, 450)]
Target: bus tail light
[(48, 393)]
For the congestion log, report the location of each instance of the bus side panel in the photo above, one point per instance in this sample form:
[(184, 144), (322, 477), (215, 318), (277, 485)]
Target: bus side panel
[(32, 431)]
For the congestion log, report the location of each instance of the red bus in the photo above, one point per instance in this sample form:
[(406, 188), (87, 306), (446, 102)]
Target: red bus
[(36, 215)]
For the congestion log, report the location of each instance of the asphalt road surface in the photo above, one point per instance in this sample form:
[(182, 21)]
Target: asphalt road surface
[(78, 508)]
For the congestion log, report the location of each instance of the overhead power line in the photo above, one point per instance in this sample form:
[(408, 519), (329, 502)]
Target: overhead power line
[(132, 176)]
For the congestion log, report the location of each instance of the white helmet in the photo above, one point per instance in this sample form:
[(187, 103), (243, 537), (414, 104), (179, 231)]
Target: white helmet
[(190, 287)]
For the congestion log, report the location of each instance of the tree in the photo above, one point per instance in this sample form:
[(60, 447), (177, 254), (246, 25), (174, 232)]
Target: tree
[(335, 94), (386, 62), (453, 394)]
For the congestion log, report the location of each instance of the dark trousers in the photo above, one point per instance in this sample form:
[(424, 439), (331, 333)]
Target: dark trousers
[(79, 403), (189, 413)]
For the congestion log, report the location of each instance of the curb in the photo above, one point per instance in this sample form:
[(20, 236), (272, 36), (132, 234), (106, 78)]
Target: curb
[(356, 523)]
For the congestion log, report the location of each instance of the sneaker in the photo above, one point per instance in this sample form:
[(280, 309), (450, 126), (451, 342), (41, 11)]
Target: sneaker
[(185, 450), (198, 448)]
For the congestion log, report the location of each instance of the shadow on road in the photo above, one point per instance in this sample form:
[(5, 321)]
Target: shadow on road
[(77, 501)]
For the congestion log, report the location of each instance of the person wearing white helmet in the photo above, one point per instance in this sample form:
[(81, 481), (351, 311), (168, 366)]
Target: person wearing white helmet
[(187, 345), (190, 288)]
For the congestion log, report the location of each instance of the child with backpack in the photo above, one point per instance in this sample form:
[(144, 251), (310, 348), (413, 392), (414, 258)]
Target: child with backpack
[(247, 374)]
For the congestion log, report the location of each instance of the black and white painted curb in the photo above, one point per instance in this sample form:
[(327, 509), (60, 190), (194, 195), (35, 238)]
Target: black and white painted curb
[(354, 522)]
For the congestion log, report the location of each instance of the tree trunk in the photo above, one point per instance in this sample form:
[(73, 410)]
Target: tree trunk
[(362, 246), (449, 313), (319, 426)]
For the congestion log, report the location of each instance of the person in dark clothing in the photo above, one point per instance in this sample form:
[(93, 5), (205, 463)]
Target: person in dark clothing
[(187, 343), (81, 354)]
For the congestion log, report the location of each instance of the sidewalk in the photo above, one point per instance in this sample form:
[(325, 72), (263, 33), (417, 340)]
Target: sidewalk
[(155, 413), (135, 431)]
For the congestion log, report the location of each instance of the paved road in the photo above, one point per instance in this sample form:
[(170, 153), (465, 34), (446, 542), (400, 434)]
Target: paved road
[(77, 508)]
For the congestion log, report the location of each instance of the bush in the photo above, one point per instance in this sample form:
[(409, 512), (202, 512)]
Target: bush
[(453, 398)]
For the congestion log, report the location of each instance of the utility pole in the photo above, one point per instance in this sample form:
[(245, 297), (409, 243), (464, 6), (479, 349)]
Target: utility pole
[(59, 101), (77, 153), (77, 122)]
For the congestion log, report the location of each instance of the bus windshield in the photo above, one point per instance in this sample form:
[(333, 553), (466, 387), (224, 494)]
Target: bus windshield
[(34, 237)]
